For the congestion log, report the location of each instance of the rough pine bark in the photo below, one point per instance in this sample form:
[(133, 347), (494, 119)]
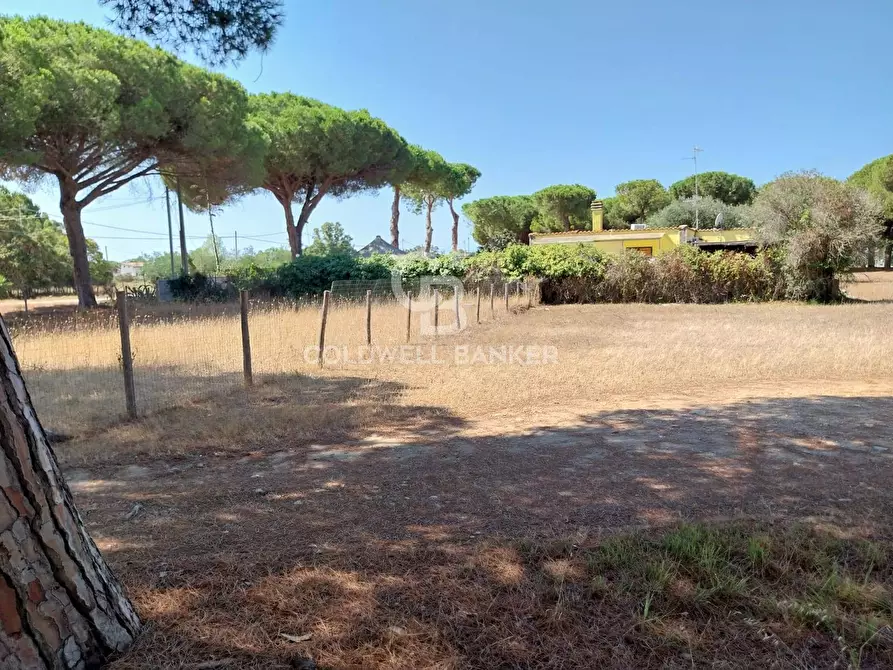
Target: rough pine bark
[(395, 218), (429, 227), (455, 215), (77, 242), (61, 607), (294, 240)]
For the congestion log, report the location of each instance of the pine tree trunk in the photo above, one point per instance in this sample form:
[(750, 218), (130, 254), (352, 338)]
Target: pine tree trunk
[(455, 225), (429, 228), (888, 255), (294, 240), (77, 243), (395, 218), (60, 605), (565, 222)]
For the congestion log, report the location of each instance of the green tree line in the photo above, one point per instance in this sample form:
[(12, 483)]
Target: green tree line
[(92, 111)]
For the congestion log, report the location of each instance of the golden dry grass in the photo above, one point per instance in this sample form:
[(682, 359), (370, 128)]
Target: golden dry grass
[(605, 353)]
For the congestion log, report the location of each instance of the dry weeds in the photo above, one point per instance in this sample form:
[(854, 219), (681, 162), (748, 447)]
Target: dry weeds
[(607, 354)]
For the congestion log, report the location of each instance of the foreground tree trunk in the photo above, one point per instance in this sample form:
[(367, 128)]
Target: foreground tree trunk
[(294, 240), (77, 243), (455, 225), (429, 228), (888, 254), (395, 218), (60, 605)]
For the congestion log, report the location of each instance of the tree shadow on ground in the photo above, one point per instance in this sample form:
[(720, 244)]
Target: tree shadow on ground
[(413, 550)]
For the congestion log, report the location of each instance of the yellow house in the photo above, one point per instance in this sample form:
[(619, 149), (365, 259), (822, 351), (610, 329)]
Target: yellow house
[(649, 241)]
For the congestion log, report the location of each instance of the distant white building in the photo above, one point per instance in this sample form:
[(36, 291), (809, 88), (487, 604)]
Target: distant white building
[(130, 268)]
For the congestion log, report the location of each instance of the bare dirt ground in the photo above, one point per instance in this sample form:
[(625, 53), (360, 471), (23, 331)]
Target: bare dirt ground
[(378, 528)]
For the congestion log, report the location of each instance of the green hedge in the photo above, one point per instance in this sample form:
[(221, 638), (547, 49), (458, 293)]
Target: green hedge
[(569, 273), (581, 273)]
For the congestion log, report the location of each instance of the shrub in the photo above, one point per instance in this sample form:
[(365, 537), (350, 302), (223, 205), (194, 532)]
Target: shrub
[(683, 275), (822, 226), (201, 288)]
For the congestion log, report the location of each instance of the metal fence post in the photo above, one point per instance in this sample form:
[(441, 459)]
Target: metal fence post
[(126, 353), (324, 315), (436, 310), (477, 298), (408, 317), (492, 311), (505, 288), (246, 339), (369, 317), (529, 297)]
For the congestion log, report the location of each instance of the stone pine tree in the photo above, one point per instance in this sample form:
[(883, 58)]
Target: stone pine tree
[(314, 149), (460, 180), (731, 189), (501, 220), (565, 204), (61, 608), (219, 31), (408, 176), (93, 111), (428, 189)]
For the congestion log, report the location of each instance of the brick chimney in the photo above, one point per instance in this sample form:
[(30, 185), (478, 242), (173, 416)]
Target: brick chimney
[(598, 215)]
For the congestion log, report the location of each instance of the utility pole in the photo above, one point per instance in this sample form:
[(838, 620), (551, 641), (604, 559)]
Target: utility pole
[(170, 227), (236, 235), (184, 258), (214, 239), (694, 157)]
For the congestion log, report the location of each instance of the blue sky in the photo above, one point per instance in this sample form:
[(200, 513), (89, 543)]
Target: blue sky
[(568, 91)]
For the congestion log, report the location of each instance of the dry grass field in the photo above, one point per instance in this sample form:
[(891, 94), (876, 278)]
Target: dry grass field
[(673, 486)]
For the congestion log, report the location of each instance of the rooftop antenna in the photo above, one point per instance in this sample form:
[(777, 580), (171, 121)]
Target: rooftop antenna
[(694, 157)]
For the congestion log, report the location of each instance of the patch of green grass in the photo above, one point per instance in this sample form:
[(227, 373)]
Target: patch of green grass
[(789, 581)]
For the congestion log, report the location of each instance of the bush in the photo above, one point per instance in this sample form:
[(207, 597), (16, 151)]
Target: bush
[(682, 213), (201, 288), (684, 275), (569, 273)]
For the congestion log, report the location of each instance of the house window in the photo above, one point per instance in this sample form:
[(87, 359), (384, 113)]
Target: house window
[(647, 251)]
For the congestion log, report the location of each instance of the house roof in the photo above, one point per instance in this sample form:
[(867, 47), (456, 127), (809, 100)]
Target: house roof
[(379, 246)]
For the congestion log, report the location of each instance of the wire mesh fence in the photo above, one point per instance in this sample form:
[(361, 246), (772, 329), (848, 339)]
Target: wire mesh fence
[(182, 353)]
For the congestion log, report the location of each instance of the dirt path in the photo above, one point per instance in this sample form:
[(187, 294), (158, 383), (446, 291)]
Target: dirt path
[(821, 457)]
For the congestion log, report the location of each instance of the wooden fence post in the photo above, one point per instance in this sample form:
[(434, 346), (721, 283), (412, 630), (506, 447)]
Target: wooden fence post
[(477, 298), (324, 315), (126, 353), (369, 317), (246, 339), (518, 292), (529, 296), (456, 300), (408, 317), (506, 291), (492, 311), (436, 310)]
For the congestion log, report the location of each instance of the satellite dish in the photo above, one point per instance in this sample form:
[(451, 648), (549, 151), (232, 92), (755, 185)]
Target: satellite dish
[(720, 219)]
